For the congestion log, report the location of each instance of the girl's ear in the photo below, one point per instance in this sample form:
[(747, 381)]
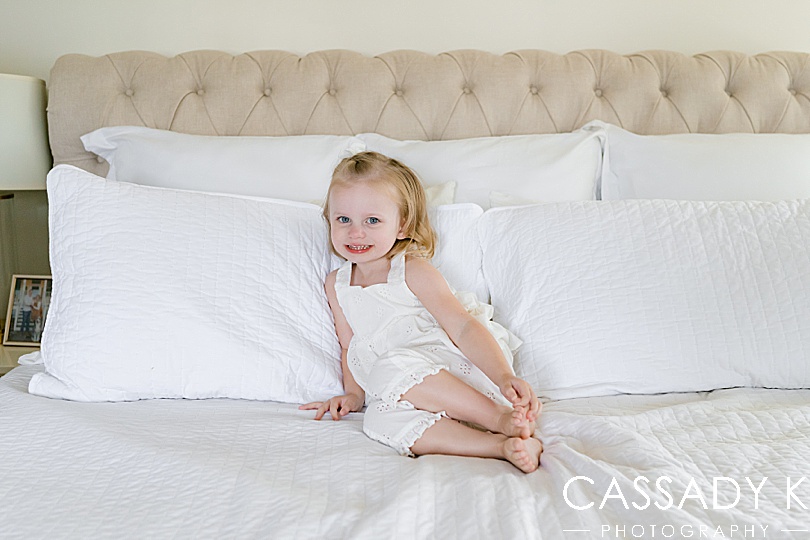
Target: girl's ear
[(401, 233)]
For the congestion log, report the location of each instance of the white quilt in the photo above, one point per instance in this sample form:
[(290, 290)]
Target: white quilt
[(248, 469)]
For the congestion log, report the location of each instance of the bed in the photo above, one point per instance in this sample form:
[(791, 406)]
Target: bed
[(662, 417)]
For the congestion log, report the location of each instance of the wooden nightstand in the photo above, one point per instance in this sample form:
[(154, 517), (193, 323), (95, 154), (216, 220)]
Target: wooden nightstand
[(9, 356)]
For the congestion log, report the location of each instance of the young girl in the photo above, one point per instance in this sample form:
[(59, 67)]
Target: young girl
[(427, 367)]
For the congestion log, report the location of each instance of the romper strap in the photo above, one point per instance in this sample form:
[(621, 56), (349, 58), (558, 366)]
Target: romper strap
[(397, 273), (344, 275)]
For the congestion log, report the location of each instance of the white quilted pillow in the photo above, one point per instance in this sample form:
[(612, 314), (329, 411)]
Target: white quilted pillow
[(295, 168), (647, 296), (173, 294)]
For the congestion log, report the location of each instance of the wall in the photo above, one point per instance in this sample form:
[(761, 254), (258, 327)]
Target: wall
[(23, 239), (33, 33)]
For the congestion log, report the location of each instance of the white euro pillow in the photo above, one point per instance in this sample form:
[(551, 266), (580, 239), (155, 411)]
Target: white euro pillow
[(162, 293), (694, 166), (553, 167), (649, 296), (294, 168)]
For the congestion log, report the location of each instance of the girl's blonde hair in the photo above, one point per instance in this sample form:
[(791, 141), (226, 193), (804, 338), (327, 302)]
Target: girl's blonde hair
[(420, 239)]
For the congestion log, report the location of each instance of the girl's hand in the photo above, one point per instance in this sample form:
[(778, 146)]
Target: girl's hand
[(338, 406), (521, 394)]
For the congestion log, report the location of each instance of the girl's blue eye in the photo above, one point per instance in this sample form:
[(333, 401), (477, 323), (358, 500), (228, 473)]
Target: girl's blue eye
[(343, 219), (373, 220)]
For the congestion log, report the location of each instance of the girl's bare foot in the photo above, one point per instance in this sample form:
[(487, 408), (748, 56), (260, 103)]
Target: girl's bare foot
[(514, 423), (523, 454)]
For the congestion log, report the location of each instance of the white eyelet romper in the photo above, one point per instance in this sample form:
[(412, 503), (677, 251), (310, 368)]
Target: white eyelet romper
[(397, 343)]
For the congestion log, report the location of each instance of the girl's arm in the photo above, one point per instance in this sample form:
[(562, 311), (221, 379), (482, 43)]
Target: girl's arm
[(469, 335), (354, 397)]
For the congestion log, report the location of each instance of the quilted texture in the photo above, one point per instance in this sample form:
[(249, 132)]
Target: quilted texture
[(646, 296), (244, 469), (413, 95), (173, 294)]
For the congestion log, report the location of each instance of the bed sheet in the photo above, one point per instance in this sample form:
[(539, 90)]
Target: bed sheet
[(244, 469)]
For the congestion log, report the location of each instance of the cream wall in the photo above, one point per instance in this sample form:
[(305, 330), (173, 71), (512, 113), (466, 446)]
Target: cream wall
[(33, 33)]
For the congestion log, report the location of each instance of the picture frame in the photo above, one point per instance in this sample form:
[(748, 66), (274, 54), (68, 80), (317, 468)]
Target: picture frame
[(28, 303)]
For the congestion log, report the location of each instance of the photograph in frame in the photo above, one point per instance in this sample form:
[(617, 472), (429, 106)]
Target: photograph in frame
[(28, 303)]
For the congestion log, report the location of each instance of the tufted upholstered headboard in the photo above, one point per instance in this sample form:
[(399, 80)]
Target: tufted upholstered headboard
[(412, 95)]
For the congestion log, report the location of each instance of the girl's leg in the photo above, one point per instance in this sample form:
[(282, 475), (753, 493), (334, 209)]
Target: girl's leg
[(445, 392), (447, 436)]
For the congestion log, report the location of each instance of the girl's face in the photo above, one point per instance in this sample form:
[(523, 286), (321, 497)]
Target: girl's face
[(365, 221)]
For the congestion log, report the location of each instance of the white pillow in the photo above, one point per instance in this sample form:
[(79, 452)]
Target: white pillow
[(734, 166), (440, 194), (458, 252), (556, 167), (162, 293), (648, 296), (294, 168), (436, 195), (498, 198)]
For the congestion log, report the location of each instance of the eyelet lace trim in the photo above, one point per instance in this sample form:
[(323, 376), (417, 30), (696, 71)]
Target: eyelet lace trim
[(394, 394), (417, 430), (411, 435)]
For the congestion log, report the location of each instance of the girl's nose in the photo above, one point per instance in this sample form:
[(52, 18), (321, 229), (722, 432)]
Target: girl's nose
[(356, 231)]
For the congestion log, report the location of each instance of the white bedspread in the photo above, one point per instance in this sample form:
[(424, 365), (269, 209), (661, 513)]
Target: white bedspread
[(228, 469)]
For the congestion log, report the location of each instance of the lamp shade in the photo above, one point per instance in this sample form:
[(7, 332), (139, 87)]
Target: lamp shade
[(24, 154)]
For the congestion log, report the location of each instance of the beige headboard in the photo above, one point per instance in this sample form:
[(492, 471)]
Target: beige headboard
[(412, 95)]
